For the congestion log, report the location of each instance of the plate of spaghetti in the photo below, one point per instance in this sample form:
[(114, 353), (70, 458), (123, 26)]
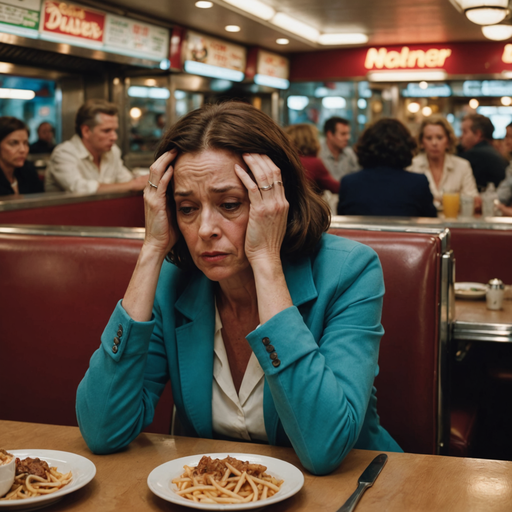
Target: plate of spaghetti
[(45, 476), (222, 481)]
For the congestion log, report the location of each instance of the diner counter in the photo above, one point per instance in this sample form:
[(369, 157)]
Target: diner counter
[(473, 321), (492, 223), (408, 482)]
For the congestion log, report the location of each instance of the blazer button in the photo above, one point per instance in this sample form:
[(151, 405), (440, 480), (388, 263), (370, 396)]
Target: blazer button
[(114, 349), (120, 330), (276, 363), (265, 341), (270, 348), (273, 356), (117, 341)]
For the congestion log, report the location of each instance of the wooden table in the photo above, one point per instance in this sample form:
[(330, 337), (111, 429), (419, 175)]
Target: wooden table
[(409, 482), (473, 321)]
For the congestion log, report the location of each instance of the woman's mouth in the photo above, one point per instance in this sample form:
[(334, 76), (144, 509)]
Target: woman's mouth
[(213, 257)]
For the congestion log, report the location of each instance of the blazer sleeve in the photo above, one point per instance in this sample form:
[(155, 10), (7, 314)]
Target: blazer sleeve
[(117, 397), (468, 183), (322, 387)]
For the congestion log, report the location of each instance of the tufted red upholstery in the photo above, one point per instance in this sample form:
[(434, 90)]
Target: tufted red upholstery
[(126, 211), (57, 295), (482, 254), (408, 360)]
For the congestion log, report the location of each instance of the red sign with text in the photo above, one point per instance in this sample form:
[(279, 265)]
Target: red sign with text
[(73, 21), (456, 59)]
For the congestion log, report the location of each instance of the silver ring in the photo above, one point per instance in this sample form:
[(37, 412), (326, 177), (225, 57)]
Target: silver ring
[(152, 184), (268, 187)]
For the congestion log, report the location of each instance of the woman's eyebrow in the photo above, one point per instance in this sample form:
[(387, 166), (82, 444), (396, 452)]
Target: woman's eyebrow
[(214, 190)]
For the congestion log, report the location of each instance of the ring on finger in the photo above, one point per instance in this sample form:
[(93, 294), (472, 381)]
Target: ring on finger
[(152, 184), (268, 187)]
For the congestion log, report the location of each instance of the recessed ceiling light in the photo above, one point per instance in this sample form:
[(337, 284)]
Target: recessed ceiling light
[(355, 38), (282, 40), (204, 5), (497, 32), (232, 28)]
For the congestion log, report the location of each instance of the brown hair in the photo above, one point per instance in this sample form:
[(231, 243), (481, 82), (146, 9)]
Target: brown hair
[(88, 113), (304, 137), (482, 124), (11, 124), (240, 128), (447, 127), (386, 143)]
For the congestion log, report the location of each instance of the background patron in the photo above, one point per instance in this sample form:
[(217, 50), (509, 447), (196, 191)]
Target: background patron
[(45, 139), (90, 161), (18, 176)]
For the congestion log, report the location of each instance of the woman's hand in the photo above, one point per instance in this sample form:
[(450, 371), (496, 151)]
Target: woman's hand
[(268, 212), (161, 229)]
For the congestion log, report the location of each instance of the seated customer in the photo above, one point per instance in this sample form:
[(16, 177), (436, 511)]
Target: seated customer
[(267, 327), (44, 143), (505, 196), (305, 139), (384, 187), (91, 162), (444, 171), (17, 176)]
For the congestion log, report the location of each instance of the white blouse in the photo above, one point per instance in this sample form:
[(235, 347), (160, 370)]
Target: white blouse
[(457, 175), (239, 416)]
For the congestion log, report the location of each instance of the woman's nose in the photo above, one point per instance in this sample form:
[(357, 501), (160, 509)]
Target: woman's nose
[(208, 226)]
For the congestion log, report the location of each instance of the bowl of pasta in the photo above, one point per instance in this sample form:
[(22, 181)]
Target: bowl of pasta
[(7, 471)]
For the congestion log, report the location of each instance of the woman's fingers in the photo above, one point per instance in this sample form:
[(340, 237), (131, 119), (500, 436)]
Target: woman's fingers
[(266, 173), (159, 166)]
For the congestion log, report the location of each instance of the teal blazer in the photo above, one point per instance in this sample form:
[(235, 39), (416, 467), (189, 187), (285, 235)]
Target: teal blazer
[(320, 399)]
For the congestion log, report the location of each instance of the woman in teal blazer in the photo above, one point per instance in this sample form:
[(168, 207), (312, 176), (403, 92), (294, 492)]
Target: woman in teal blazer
[(249, 244)]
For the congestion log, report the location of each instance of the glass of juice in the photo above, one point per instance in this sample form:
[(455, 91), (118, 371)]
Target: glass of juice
[(451, 203)]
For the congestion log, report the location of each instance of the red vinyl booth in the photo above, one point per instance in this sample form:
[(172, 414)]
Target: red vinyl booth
[(60, 291), (57, 295)]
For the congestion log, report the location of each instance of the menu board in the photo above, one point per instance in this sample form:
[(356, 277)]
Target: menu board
[(73, 21), (134, 37), (271, 64), (20, 16), (90, 28), (214, 52)]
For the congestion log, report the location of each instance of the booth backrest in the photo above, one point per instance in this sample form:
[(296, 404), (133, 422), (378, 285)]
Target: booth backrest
[(97, 210), (482, 254), (57, 294), (408, 385)]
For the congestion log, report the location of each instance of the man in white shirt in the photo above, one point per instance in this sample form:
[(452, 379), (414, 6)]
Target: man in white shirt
[(335, 152), (90, 161)]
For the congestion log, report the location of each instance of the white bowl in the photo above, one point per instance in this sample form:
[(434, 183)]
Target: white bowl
[(7, 472)]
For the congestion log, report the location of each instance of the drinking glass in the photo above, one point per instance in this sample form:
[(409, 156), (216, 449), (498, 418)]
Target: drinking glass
[(451, 203)]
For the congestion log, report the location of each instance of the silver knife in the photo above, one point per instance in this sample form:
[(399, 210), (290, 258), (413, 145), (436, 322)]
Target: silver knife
[(366, 480)]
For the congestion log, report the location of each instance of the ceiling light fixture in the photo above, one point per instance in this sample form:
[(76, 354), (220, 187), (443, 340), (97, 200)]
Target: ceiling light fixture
[(254, 7), (17, 94), (296, 27), (232, 28), (497, 32), (406, 76), (483, 12), (473, 103), (282, 40), (204, 5), (355, 38)]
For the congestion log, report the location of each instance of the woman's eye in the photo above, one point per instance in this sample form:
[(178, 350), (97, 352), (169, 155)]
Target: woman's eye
[(231, 206), (186, 210)]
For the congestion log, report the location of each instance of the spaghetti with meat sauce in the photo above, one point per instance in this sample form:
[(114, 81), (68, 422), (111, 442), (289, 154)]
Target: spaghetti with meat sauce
[(34, 477), (226, 480)]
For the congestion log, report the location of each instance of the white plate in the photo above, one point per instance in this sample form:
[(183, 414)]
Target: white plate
[(470, 290), (159, 480), (83, 472)]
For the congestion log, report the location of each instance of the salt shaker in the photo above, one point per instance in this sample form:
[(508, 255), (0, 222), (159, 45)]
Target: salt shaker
[(494, 294)]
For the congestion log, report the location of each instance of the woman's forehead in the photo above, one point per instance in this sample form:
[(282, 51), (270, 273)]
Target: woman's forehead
[(207, 162)]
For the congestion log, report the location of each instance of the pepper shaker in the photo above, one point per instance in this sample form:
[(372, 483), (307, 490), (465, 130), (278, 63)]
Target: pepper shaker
[(494, 294)]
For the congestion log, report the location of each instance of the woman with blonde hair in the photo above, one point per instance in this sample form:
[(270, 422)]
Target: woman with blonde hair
[(304, 137), (436, 160)]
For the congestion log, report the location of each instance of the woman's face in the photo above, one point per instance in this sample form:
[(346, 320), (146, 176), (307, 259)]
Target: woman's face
[(212, 210), (435, 141), (14, 149)]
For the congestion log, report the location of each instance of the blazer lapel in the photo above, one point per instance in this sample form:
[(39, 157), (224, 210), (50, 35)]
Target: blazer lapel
[(194, 340)]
